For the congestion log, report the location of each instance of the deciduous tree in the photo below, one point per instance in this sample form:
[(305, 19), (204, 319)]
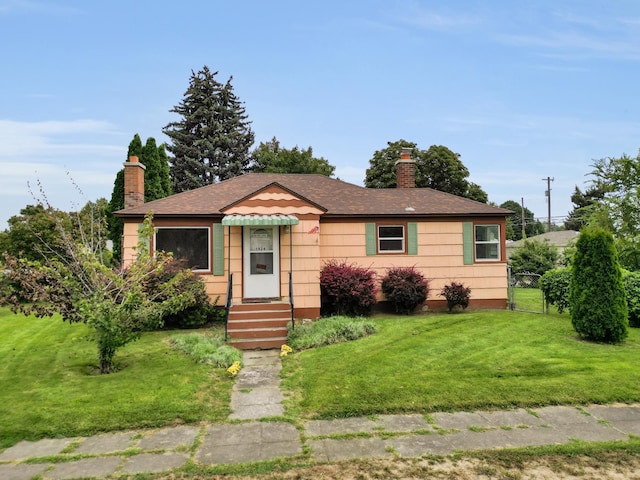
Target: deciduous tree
[(438, 168), (270, 157), (514, 223)]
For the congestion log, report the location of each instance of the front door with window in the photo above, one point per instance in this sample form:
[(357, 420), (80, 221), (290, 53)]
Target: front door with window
[(261, 262)]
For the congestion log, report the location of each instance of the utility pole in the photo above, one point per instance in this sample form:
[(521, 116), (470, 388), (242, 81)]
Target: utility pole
[(547, 193), (524, 235)]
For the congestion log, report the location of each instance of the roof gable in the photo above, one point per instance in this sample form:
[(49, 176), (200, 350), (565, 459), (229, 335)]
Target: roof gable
[(273, 199)]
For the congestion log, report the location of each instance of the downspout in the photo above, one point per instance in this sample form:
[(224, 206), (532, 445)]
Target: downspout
[(293, 321), (229, 287)]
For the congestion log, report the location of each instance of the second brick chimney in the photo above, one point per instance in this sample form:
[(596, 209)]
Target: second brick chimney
[(133, 182), (406, 169)]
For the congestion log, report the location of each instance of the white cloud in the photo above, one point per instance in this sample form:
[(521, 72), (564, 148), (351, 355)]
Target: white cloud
[(24, 139)]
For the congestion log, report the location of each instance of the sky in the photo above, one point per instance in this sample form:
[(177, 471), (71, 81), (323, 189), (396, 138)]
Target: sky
[(523, 91)]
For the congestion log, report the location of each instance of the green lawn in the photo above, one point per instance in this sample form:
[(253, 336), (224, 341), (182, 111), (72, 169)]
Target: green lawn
[(49, 384), (529, 299), (472, 360)]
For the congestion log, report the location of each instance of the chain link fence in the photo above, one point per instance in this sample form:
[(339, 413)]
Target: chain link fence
[(524, 292)]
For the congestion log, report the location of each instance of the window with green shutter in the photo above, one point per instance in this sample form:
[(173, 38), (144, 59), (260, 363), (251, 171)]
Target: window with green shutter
[(189, 244), (383, 238)]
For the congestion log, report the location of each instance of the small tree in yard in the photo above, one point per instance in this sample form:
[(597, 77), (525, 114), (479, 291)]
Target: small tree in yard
[(596, 291), (405, 287), (534, 257), (456, 294), (115, 304), (347, 289)]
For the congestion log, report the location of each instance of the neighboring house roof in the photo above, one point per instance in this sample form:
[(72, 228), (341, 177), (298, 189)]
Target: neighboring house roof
[(335, 197), (561, 238)]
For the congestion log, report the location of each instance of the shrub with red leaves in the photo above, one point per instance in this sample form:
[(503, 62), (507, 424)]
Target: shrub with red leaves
[(405, 287), (347, 289), (456, 294)]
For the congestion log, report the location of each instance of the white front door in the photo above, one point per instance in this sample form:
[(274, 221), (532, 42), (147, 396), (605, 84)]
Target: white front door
[(261, 262)]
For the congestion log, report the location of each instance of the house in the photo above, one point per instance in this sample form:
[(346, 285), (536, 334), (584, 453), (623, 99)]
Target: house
[(560, 238), (260, 241)]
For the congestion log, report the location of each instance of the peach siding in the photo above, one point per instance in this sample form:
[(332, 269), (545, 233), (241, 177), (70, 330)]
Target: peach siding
[(440, 257), (270, 210), (129, 243)]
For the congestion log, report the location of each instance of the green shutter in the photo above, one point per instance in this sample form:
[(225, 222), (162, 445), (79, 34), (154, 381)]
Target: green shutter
[(412, 238), (218, 249), (467, 243), (370, 238)]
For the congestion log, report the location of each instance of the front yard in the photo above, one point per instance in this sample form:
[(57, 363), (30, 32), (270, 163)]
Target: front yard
[(473, 360), (436, 362), (50, 386)]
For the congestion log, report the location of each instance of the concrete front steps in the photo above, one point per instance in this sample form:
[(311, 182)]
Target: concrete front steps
[(254, 326)]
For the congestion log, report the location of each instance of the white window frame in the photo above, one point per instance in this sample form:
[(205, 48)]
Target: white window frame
[(191, 227), (477, 242), (403, 238)]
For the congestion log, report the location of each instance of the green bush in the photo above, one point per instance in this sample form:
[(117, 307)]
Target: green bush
[(555, 287), (456, 294), (328, 331), (347, 289), (632, 290), (596, 291), (200, 312), (534, 257), (405, 288), (208, 349)]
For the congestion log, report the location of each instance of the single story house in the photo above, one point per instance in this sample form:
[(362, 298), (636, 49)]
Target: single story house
[(562, 239), (260, 240)]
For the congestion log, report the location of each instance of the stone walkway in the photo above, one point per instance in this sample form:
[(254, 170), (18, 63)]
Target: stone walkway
[(257, 395)]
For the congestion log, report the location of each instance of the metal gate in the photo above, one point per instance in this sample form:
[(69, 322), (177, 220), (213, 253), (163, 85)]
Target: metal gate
[(524, 292)]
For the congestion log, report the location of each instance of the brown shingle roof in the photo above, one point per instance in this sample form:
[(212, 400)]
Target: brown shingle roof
[(337, 197)]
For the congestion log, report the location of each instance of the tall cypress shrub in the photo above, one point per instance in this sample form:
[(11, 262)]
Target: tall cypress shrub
[(596, 291)]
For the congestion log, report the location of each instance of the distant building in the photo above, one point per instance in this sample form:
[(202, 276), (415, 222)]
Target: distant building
[(561, 239)]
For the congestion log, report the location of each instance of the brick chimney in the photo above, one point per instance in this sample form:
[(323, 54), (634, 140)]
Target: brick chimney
[(406, 170), (133, 182)]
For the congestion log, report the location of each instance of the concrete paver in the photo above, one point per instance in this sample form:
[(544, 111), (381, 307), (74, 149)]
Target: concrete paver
[(256, 392), (330, 450), (248, 442), (41, 448), (99, 444), (169, 438), (154, 462), (98, 467), (21, 472)]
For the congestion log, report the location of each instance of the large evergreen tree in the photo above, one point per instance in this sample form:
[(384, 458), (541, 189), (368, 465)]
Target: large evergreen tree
[(212, 138), (270, 157), (583, 207), (596, 290), (438, 168)]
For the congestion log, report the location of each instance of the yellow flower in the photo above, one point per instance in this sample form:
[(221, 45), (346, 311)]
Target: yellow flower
[(234, 368), (285, 350)]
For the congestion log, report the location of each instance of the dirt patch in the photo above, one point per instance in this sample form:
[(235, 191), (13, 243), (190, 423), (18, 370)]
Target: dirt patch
[(538, 468)]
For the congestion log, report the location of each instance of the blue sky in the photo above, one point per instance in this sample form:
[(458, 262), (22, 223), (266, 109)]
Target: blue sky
[(521, 90)]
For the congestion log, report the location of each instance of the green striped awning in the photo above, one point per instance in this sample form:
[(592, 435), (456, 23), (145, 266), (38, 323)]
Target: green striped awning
[(260, 220)]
